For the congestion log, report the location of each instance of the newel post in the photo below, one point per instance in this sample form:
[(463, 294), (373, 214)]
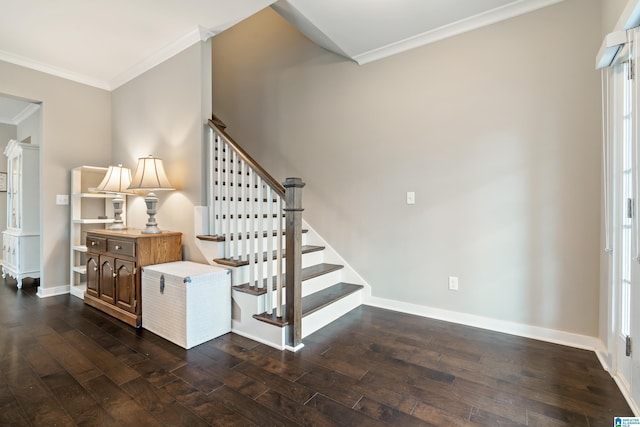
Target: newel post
[(293, 232)]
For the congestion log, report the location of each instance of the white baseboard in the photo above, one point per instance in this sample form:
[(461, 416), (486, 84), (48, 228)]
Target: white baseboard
[(603, 355), (51, 292), (519, 329), (624, 389)]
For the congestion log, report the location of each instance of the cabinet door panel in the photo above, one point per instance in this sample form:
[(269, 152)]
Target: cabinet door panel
[(126, 285), (93, 275), (107, 279)]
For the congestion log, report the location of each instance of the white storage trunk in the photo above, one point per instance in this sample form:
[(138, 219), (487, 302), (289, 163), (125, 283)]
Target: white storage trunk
[(185, 302)]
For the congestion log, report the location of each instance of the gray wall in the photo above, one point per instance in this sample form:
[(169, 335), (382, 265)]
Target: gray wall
[(76, 130), (497, 131), (162, 113)]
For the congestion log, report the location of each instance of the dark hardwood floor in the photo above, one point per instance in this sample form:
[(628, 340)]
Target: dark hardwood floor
[(63, 363)]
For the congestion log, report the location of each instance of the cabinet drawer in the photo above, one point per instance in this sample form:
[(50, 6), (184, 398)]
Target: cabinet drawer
[(96, 244), (121, 248)]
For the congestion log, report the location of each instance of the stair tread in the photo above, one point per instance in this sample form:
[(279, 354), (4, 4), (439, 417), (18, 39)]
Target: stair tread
[(222, 238), (314, 302), (239, 263), (307, 273)]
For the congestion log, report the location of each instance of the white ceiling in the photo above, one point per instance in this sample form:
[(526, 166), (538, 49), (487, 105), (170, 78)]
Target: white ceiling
[(104, 43), (107, 43), (367, 30)]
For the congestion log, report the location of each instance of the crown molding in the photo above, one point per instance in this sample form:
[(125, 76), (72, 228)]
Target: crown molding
[(192, 37), (6, 120), (198, 34), (29, 110), (502, 13), (54, 71), (18, 118)]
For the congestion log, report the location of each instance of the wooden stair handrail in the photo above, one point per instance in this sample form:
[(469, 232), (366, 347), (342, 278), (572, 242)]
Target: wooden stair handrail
[(217, 125)]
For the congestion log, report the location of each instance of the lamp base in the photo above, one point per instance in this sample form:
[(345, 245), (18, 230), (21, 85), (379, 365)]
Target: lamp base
[(118, 223), (117, 226), (152, 226), (153, 229)]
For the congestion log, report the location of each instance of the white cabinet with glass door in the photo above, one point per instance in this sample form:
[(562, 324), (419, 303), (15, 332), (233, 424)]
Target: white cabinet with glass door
[(21, 239)]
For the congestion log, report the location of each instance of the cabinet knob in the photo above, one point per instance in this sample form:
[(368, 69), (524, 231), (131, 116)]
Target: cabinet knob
[(95, 268), (118, 247), (93, 243), (115, 275)]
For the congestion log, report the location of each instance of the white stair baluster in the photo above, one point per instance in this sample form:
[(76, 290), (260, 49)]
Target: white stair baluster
[(219, 186), (236, 202), (211, 182), (227, 205), (269, 233), (280, 259), (251, 230), (260, 230)]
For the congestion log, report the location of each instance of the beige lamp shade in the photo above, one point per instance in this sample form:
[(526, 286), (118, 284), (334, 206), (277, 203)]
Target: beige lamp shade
[(150, 175), (116, 180)]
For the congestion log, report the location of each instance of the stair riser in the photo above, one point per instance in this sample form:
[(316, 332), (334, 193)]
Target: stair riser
[(261, 332), (245, 305), (259, 302), (323, 317), (319, 283)]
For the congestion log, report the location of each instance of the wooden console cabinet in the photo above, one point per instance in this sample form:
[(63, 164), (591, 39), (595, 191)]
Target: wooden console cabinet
[(114, 262)]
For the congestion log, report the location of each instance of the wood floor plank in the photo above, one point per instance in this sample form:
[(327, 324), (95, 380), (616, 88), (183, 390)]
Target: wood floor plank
[(249, 408), (161, 404), (119, 404), (12, 414), (40, 405), (301, 414), (154, 373), (387, 414), (117, 371), (64, 362), (71, 359), (332, 384), (41, 362), (77, 401), (291, 390), (341, 414)]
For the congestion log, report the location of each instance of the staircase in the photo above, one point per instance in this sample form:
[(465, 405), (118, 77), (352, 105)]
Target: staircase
[(287, 282)]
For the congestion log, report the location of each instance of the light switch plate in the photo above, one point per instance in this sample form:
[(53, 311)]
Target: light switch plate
[(62, 199), (411, 198)]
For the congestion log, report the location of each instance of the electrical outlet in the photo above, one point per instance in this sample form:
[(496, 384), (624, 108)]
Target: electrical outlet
[(62, 199), (453, 283)]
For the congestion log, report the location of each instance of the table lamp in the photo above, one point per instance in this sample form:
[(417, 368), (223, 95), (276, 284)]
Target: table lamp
[(116, 181), (150, 176)]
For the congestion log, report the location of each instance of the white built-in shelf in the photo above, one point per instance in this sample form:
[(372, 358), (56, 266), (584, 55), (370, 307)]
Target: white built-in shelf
[(78, 290), (94, 195), (93, 221), (86, 206), (82, 269)]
